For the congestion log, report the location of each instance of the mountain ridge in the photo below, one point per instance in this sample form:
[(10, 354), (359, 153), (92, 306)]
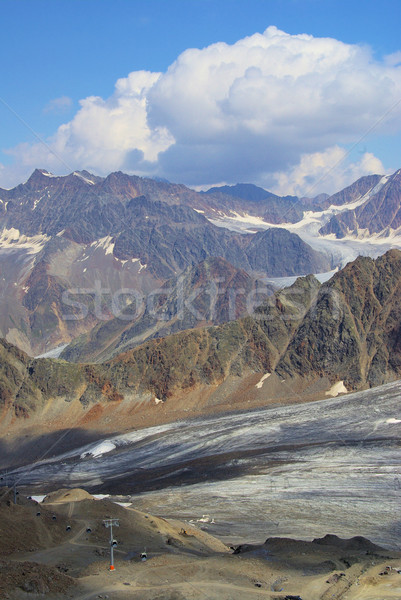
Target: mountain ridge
[(83, 232), (379, 214), (61, 235), (301, 342)]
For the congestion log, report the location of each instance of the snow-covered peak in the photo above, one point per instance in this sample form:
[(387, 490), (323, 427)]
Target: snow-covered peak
[(89, 181)]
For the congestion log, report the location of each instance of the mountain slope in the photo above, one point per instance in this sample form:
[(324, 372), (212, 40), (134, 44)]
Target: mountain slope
[(210, 293), (303, 340), (353, 332), (379, 214), (160, 367), (353, 192), (282, 250), (347, 329), (69, 245), (159, 229), (249, 199)]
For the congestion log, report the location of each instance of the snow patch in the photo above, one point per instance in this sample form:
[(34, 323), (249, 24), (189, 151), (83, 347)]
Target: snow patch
[(241, 223), (100, 449), (388, 235), (392, 420), (141, 266), (158, 401), (206, 519), (120, 260), (47, 174), (259, 385), (89, 181), (13, 239), (336, 389), (105, 243), (36, 202), (39, 498)]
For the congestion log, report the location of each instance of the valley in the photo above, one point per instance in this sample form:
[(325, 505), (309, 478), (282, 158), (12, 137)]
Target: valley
[(200, 300), (232, 372)]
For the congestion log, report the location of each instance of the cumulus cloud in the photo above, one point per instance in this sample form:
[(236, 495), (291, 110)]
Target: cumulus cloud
[(104, 133), (324, 171), (262, 109)]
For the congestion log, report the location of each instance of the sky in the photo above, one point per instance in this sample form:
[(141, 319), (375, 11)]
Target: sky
[(297, 96)]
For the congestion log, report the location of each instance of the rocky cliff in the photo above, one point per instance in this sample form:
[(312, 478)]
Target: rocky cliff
[(353, 332)]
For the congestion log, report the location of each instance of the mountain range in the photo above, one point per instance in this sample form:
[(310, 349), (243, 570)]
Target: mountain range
[(304, 342), (79, 251), (66, 236)]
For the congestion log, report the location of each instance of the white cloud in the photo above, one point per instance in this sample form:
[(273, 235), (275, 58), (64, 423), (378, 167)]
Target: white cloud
[(324, 171), (103, 133), (251, 111)]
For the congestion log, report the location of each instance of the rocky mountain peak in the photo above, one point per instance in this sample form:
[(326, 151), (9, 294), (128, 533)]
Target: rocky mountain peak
[(379, 212)]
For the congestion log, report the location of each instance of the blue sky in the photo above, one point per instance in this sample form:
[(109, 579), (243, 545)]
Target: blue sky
[(278, 110)]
